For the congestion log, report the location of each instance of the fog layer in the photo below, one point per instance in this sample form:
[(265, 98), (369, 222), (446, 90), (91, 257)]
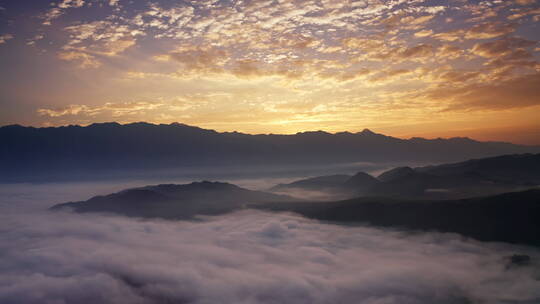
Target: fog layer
[(248, 257)]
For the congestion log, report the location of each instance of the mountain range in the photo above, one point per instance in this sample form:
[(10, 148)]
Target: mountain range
[(509, 217), (396, 198), (111, 150), (476, 177)]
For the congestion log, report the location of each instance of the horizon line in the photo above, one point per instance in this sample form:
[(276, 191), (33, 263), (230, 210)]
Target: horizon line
[(364, 131)]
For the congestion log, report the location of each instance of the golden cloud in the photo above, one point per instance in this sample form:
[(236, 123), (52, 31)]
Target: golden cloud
[(83, 59), (489, 30), (200, 59), (423, 33), (500, 47), (114, 109), (517, 92)]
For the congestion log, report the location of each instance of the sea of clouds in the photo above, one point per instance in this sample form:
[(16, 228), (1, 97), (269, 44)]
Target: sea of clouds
[(243, 257)]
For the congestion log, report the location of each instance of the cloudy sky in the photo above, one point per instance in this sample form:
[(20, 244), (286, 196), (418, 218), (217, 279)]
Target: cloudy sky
[(404, 68)]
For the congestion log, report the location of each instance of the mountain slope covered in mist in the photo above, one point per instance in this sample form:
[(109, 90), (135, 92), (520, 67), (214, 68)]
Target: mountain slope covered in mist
[(174, 201), (112, 149), (510, 217), (476, 177)]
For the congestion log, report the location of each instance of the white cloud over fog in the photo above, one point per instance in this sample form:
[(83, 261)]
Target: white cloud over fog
[(247, 257)]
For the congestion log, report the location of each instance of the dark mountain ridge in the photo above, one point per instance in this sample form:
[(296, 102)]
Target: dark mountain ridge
[(317, 183), (476, 177), (509, 217), (518, 168), (172, 201), (112, 149), (396, 173)]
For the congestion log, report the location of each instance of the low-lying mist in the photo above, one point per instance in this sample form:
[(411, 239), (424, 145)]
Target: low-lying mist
[(243, 257), (38, 196), (217, 172)]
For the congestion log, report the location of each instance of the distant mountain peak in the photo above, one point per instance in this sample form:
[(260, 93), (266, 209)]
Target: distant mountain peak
[(367, 131), (203, 185), (14, 126), (319, 132), (361, 180), (104, 124), (178, 124), (395, 173)]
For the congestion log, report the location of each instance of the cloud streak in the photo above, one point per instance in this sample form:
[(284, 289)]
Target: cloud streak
[(5, 37)]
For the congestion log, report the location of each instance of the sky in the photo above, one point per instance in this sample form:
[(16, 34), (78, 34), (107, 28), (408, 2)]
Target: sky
[(402, 68)]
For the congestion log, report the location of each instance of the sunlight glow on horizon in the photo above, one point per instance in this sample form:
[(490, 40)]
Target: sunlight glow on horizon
[(402, 68)]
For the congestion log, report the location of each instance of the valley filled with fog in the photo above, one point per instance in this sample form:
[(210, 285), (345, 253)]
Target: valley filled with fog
[(246, 256)]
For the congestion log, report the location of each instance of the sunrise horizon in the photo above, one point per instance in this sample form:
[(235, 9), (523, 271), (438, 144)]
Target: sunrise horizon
[(422, 68), (529, 136)]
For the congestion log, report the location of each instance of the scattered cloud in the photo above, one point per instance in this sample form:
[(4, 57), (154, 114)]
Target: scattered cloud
[(524, 12), (5, 37), (423, 33), (89, 41), (114, 109), (34, 39), (200, 59), (525, 2), (83, 60), (346, 56), (450, 51), (489, 30), (523, 91), (387, 75), (501, 47), (59, 8)]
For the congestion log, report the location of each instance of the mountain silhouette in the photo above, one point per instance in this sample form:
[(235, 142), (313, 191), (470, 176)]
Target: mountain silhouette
[(318, 183), (471, 178), (522, 168), (112, 150), (329, 186), (395, 174), (474, 177), (509, 217), (172, 201), (360, 182)]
